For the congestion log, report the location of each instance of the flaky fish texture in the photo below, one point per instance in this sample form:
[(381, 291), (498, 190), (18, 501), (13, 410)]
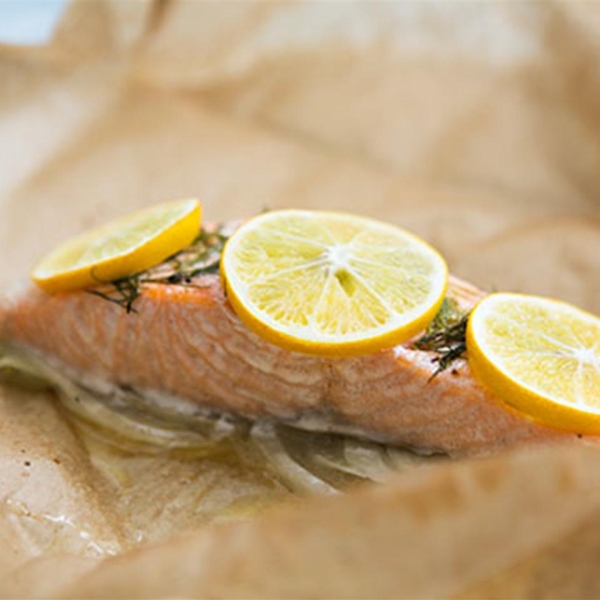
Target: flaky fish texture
[(185, 342)]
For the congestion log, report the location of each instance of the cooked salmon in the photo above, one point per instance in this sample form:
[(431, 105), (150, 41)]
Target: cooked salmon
[(185, 342)]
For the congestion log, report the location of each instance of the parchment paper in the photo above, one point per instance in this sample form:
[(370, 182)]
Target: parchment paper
[(473, 124)]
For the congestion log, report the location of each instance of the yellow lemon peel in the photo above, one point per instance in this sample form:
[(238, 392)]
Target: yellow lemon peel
[(540, 356), (331, 284), (123, 247)]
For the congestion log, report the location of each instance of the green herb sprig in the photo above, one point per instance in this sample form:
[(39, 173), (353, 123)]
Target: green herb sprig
[(446, 336), (202, 257), (124, 292)]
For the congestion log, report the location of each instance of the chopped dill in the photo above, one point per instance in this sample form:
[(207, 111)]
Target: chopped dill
[(124, 292), (446, 335), (202, 257)]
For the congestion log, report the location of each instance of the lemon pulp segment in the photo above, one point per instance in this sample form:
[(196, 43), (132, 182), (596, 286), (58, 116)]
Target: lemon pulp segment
[(331, 283), (123, 247), (540, 356)]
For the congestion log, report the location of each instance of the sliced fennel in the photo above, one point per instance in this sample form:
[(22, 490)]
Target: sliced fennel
[(303, 461)]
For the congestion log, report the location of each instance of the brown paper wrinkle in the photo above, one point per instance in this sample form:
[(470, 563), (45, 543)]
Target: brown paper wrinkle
[(511, 168), (562, 570), (428, 537), (473, 126), (50, 501)]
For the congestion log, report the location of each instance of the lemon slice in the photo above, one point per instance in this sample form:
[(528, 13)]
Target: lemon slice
[(123, 247), (331, 284), (540, 356)]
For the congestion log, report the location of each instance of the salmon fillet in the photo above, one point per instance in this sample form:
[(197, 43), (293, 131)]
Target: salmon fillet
[(185, 342)]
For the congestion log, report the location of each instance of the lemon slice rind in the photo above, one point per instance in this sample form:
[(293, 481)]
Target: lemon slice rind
[(306, 338), (128, 245), (531, 381)]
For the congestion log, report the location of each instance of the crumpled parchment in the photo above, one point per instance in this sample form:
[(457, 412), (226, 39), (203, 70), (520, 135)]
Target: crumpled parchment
[(475, 125)]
